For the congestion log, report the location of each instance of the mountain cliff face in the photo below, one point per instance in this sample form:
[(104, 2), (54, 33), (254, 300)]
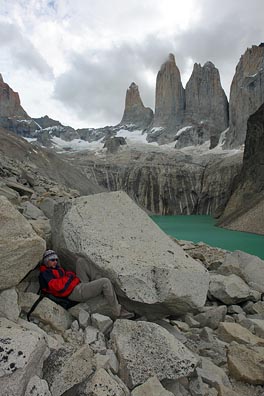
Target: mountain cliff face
[(245, 209), (165, 183), (191, 116), (135, 112), (12, 115), (169, 102), (246, 94), (9, 102), (206, 102)]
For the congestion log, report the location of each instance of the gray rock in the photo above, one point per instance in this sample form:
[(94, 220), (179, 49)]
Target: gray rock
[(22, 354), (103, 384), (20, 247), (189, 319), (246, 364), (113, 144), (212, 317), (176, 388), (229, 332), (47, 205), (193, 135), (159, 352), (43, 229), (67, 367), (236, 309), (258, 327), (20, 188), (10, 194), (250, 268), (153, 274), (113, 362), (37, 387), (101, 322), (197, 387), (229, 289), (212, 374), (9, 304), (83, 318), (90, 335), (30, 211), (48, 312), (151, 387)]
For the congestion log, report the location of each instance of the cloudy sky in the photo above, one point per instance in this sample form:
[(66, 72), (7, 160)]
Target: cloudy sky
[(74, 59)]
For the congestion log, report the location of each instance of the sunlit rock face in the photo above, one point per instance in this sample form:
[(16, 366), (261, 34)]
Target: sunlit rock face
[(9, 102), (170, 101), (246, 94), (135, 113), (12, 115)]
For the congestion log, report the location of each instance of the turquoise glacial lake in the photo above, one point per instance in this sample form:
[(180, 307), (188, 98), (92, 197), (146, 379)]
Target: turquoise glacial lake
[(198, 228)]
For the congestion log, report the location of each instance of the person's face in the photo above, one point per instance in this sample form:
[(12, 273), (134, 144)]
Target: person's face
[(52, 263)]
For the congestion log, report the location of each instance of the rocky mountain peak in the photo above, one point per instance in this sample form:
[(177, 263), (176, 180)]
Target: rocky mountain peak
[(170, 97), (209, 64), (206, 102), (10, 102), (135, 112), (246, 94)]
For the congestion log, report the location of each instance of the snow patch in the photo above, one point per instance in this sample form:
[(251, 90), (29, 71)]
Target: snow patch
[(30, 140), (180, 131), (77, 144), (155, 129)]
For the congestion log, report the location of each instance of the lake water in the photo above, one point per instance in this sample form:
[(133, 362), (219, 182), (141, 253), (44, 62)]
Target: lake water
[(202, 228)]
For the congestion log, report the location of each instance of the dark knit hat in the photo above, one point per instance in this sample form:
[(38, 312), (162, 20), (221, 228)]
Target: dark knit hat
[(49, 255)]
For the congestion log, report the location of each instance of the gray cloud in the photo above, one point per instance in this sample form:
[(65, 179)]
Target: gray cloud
[(22, 53)]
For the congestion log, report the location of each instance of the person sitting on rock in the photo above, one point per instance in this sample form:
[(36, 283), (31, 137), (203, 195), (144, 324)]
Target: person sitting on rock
[(80, 286)]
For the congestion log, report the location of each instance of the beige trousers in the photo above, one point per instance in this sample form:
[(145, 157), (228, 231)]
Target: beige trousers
[(92, 285)]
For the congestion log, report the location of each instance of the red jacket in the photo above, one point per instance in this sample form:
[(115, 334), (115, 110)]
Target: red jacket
[(57, 281)]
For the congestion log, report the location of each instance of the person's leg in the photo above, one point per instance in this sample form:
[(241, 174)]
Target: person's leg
[(85, 290), (86, 271)]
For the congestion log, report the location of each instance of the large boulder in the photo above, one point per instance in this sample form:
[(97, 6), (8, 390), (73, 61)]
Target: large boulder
[(151, 273), (67, 367), (22, 353), (249, 268), (158, 352), (246, 364), (229, 289), (47, 311), (20, 247)]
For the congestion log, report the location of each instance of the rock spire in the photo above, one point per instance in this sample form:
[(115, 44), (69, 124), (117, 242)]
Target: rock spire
[(246, 94), (170, 97), (206, 100), (135, 112)]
